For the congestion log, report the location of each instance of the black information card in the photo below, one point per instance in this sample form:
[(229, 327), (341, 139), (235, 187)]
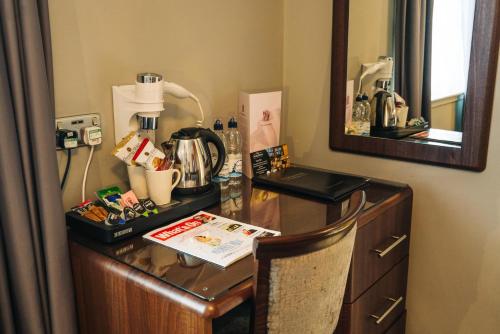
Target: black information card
[(270, 160)]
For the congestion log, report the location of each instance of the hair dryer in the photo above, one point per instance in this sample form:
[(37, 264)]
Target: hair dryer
[(383, 67)]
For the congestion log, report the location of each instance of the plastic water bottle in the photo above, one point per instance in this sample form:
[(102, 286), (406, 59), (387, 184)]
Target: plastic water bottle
[(235, 159), (367, 115), (223, 177), (358, 114)]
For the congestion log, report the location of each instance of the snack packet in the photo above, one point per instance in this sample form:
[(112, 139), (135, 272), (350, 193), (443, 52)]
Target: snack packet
[(127, 148), (149, 205), (148, 156), (91, 211), (111, 197), (114, 219), (129, 200)]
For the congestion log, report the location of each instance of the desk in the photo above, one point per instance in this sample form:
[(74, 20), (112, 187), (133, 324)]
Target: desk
[(139, 287)]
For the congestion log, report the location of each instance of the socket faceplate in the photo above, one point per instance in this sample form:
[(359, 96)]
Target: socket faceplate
[(77, 123)]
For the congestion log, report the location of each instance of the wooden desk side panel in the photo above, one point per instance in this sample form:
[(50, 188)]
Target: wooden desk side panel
[(111, 303)]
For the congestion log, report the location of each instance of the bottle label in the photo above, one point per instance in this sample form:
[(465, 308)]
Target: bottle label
[(235, 164)]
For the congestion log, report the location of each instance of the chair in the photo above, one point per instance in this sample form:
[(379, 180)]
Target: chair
[(299, 280)]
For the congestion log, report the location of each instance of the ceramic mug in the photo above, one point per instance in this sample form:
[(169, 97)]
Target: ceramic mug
[(402, 115), (137, 179), (160, 184)]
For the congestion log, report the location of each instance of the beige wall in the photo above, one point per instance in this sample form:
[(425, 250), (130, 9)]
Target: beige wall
[(455, 242), (213, 48), (370, 34)]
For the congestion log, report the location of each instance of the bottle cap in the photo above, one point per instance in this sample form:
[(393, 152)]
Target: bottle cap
[(359, 98), (232, 124), (365, 97), (218, 125)]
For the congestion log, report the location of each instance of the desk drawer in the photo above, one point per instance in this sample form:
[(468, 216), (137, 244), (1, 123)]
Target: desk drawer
[(379, 308), (399, 326), (380, 244)]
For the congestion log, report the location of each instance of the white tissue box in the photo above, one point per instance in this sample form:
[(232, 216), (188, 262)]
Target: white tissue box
[(259, 123)]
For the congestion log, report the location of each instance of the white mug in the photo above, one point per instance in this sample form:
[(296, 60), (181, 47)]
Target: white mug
[(137, 179), (160, 184), (402, 115)]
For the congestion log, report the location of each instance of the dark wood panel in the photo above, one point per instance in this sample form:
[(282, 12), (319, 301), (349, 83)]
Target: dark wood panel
[(367, 266), (357, 318), (480, 91), (115, 298), (399, 326)]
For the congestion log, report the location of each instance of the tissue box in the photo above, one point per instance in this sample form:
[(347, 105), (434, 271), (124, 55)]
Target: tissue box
[(259, 123)]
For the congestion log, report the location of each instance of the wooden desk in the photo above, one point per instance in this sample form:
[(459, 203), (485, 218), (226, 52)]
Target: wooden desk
[(123, 288)]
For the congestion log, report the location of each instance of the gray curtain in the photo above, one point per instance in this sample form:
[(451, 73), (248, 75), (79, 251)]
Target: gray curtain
[(36, 293), (413, 45)]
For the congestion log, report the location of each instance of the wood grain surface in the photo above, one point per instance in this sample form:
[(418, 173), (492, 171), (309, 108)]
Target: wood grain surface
[(113, 297)]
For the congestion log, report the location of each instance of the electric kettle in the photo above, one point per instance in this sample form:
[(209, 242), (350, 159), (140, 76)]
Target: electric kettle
[(383, 108), (193, 159)]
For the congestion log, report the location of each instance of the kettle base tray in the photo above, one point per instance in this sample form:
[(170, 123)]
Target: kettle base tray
[(185, 206)]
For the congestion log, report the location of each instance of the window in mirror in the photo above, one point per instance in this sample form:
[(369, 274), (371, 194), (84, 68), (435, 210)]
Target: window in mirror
[(452, 24), (410, 60)]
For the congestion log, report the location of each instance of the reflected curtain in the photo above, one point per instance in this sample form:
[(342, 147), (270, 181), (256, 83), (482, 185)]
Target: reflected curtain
[(413, 45), (36, 294)]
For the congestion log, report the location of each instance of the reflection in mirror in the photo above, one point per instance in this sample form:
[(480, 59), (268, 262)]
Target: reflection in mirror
[(408, 63)]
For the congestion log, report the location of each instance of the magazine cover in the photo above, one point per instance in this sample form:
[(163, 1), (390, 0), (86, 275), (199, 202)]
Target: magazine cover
[(212, 238)]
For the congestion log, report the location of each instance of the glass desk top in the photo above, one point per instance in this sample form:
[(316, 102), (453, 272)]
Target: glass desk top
[(287, 213)]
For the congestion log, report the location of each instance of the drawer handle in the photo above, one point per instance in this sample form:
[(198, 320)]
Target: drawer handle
[(382, 253), (395, 303)]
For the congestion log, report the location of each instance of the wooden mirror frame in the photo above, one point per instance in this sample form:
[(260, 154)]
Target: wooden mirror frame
[(478, 104)]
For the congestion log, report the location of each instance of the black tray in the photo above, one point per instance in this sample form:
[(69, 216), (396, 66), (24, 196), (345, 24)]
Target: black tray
[(398, 133), (189, 204)]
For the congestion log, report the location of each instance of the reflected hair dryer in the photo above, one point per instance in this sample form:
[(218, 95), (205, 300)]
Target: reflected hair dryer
[(383, 66)]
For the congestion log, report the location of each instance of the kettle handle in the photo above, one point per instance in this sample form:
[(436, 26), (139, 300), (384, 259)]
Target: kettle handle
[(211, 137)]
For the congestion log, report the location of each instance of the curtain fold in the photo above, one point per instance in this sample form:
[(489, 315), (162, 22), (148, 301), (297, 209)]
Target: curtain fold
[(413, 45), (36, 294)]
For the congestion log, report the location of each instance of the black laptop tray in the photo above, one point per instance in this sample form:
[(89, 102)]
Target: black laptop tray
[(312, 182), (188, 205)]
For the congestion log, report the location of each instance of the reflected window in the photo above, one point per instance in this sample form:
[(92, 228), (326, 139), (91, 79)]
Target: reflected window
[(452, 24)]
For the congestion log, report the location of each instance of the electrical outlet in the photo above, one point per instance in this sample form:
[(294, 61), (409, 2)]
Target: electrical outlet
[(77, 123)]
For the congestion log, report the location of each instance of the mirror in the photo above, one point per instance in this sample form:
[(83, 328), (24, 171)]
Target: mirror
[(420, 50), (419, 64)]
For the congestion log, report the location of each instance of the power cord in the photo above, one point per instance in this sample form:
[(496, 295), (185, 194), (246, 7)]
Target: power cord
[(89, 160), (91, 136), (66, 169), (199, 123)]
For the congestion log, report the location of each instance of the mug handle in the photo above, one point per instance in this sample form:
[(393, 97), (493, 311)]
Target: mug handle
[(178, 179)]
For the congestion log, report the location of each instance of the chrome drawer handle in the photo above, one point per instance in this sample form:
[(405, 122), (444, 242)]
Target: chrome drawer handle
[(381, 318), (382, 253)]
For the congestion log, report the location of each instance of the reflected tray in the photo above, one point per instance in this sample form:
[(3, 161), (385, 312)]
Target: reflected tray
[(186, 206), (398, 133)]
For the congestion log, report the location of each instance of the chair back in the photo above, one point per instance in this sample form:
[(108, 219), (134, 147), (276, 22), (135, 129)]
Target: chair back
[(300, 279)]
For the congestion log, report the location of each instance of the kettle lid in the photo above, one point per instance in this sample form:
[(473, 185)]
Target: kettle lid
[(187, 133)]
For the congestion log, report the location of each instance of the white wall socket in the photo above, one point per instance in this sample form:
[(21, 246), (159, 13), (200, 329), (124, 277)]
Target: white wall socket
[(77, 123)]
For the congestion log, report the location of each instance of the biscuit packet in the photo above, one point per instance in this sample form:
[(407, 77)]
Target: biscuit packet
[(127, 148), (148, 156), (91, 211)]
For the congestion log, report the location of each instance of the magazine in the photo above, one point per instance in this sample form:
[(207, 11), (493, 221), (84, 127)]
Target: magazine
[(209, 237)]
